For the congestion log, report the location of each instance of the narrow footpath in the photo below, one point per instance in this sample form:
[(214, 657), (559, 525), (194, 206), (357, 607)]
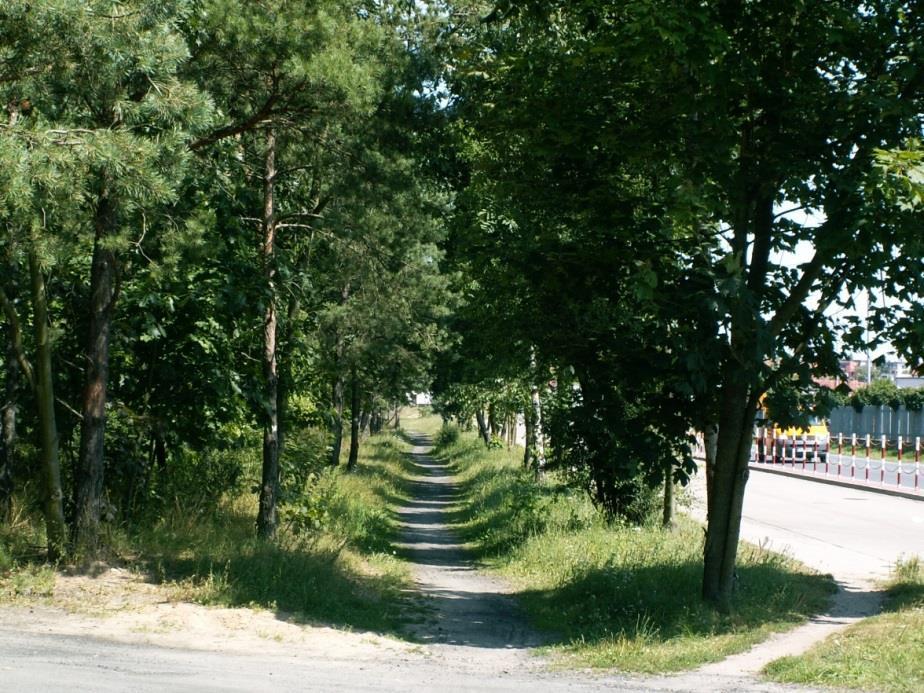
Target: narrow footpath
[(472, 617)]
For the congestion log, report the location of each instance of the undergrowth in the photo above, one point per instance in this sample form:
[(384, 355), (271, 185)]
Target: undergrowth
[(331, 562), (615, 595)]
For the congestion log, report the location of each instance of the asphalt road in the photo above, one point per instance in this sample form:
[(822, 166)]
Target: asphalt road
[(853, 534)]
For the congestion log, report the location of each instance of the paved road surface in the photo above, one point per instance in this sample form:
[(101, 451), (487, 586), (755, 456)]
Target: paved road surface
[(853, 534)]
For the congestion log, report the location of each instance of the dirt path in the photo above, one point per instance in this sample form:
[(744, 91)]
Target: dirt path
[(473, 618), (475, 623)]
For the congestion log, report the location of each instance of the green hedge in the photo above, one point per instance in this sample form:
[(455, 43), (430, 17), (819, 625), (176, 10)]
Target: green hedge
[(886, 393)]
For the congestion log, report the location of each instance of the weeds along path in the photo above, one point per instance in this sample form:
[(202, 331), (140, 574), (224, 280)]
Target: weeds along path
[(472, 616)]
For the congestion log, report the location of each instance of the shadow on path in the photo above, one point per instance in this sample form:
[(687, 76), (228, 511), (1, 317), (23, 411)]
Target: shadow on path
[(466, 607)]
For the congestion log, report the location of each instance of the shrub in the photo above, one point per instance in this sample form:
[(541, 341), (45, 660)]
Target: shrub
[(448, 435)]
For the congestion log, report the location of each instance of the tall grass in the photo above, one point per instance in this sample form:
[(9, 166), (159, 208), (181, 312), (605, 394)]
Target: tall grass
[(615, 595), (332, 561)]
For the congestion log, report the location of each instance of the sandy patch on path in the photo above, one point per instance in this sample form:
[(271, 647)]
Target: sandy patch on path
[(120, 605)]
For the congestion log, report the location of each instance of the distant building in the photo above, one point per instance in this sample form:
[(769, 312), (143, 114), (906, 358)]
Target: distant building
[(423, 399)]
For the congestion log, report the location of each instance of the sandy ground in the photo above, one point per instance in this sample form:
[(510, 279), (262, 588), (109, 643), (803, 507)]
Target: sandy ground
[(117, 632)]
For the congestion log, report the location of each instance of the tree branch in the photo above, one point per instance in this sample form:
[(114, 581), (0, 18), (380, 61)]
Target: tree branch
[(261, 115), (798, 294)]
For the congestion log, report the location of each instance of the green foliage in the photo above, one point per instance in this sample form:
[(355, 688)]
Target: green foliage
[(341, 571), (447, 436), (884, 393), (914, 398)]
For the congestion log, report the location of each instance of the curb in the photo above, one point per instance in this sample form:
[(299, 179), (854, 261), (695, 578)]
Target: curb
[(884, 490)]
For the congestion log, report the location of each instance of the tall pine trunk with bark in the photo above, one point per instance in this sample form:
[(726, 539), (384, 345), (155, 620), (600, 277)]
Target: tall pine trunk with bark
[(337, 425), (267, 519), (89, 477), (337, 391), (52, 502)]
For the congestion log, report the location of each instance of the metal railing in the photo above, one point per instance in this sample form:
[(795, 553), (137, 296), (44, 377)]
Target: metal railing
[(894, 463)]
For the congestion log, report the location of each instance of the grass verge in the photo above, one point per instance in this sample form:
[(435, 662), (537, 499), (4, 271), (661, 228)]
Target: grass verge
[(617, 596), (332, 561), (882, 653)]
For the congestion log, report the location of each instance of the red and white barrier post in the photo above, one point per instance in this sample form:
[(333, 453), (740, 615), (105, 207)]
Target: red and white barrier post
[(882, 468), (899, 461)]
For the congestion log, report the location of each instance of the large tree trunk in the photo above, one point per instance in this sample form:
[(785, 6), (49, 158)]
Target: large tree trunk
[(667, 516), (739, 388), (493, 424), (354, 421), (727, 483), (710, 443), (53, 506), (88, 491), (8, 413), (269, 485), (530, 435)]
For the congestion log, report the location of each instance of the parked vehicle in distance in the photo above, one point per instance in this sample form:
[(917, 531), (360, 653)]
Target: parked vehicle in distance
[(793, 444)]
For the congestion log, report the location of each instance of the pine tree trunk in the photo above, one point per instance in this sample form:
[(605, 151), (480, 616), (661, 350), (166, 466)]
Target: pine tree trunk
[(53, 506), (354, 421), (88, 492), (269, 486), (337, 395), (8, 430)]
